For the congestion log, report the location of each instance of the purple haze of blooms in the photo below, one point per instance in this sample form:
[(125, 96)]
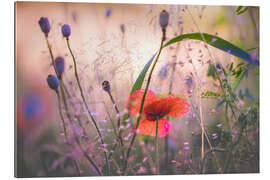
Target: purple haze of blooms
[(53, 82), (66, 31), (59, 65), (44, 25), (32, 106)]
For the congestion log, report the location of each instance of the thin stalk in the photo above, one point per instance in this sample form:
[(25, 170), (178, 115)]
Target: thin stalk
[(119, 136), (142, 102), (156, 148), (116, 109), (86, 106), (61, 114), (65, 105), (73, 106)]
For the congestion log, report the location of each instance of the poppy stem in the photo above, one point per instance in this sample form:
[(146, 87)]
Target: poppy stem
[(142, 102), (86, 106), (156, 148)]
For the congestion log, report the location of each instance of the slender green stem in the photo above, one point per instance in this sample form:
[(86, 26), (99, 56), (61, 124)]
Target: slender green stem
[(86, 106), (116, 109), (142, 102), (61, 114), (66, 108), (156, 148), (118, 123)]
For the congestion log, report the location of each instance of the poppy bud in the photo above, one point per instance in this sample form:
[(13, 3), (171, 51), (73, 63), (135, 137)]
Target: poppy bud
[(106, 86), (66, 31), (53, 82), (59, 65), (164, 19), (44, 25)]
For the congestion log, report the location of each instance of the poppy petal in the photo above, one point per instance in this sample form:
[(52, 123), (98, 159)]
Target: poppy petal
[(147, 127), (178, 107), (134, 101), (170, 106)]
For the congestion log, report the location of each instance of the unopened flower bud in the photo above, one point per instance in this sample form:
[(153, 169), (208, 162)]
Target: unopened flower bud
[(53, 82), (66, 31), (164, 19), (106, 86), (59, 66), (44, 25)]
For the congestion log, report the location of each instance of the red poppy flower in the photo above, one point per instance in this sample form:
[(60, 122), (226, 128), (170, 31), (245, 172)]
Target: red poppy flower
[(155, 108)]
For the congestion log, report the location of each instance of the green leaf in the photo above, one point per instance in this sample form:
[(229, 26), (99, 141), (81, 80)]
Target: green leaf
[(216, 42), (220, 103), (238, 79), (210, 94), (252, 49), (238, 8), (138, 84), (242, 11)]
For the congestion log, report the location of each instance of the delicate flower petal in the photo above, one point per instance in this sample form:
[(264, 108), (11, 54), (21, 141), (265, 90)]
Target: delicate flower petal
[(179, 107), (170, 106), (147, 127), (134, 101)]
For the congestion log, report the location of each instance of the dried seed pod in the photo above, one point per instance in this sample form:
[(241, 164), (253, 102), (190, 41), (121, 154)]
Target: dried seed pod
[(164, 19), (53, 82), (44, 25), (106, 86), (66, 31)]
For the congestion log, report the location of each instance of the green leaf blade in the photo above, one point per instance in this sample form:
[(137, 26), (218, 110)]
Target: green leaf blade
[(138, 84), (216, 42)]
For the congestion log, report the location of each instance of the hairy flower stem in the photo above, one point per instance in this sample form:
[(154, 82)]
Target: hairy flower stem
[(119, 136), (142, 102), (156, 148), (73, 105), (61, 115), (66, 108), (86, 106)]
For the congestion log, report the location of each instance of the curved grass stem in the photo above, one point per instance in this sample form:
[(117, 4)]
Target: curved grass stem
[(86, 106)]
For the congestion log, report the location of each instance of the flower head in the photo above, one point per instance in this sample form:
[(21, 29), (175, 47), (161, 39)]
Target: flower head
[(59, 65), (106, 86), (44, 25), (108, 12), (53, 82), (66, 31), (156, 109), (164, 19)]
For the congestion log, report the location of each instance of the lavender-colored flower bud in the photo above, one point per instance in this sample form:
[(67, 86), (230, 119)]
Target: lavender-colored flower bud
[(53, 82), (123, 29), (108, 12), (44, 25), (66, 31), (59, 65), (106, 86), (164, 19)]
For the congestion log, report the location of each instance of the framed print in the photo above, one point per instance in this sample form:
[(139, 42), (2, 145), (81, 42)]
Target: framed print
[(108, 89)]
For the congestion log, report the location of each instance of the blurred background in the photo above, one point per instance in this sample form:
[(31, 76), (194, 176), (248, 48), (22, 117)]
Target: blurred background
[(113, 42)]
